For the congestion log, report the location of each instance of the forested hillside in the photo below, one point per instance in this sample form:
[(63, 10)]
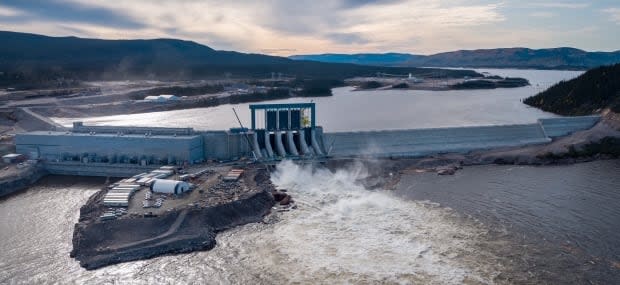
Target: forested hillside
[(592, 91)]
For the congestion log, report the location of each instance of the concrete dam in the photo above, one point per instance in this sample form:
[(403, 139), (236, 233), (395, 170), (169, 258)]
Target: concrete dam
[(422, 142), (277, 131)]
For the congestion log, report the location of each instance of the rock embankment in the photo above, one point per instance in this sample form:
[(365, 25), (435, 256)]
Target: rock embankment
[(13, 179), (99, 243)]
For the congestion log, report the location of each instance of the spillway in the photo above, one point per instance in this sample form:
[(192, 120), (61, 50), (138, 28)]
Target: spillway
[(315, 143), (290, 141), (256, 146), (279, 144), (302, 143), (268, 146)]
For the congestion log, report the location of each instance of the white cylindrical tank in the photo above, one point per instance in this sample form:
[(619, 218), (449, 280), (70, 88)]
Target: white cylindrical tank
[(169, 186)]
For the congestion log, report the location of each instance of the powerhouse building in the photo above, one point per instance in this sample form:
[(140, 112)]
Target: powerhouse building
[(111, 151)]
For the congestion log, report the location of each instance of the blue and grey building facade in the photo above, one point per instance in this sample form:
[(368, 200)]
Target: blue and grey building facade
[(277, 131)]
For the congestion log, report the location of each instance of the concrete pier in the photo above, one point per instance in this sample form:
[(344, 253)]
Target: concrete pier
[(279, 144), (302, 143), (315, 143), (290, 141), (256, 146), (268, 147)]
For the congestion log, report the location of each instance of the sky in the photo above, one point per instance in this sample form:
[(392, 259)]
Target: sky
[(286, 27)]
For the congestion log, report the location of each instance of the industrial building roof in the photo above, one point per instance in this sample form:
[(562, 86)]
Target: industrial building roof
[(56, 133), (12, 155)]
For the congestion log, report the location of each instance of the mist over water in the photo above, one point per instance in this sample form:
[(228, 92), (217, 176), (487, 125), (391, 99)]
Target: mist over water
[(346, 232)]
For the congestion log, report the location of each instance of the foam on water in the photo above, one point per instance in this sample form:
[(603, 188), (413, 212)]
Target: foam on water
[(342, 229)]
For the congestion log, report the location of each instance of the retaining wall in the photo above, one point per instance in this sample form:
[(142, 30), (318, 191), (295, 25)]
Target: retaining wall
[(32, 121), (96, 169)]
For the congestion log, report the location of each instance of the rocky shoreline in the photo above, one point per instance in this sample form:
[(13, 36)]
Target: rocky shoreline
[(14, 182), (100, 243)]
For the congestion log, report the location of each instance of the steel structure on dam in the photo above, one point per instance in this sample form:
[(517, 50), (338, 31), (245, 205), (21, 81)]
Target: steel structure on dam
[(278, 131), (285, 131)]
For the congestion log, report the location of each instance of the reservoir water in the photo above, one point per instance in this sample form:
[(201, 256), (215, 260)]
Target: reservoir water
[(351, 110)]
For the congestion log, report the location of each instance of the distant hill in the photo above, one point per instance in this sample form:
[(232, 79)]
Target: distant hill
[(379, 59), (554, 58), (35, 59), (592, 91)]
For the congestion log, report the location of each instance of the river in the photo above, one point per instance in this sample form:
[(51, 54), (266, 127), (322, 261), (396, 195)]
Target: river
[(484, 225)]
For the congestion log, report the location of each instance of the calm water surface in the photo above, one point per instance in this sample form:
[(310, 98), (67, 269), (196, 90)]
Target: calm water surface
[(576, 205), (371, 110)]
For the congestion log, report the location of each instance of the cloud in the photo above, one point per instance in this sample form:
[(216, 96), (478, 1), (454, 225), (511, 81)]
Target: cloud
[(563, 5), (542, 14), (347, 38), (281, 25), (303, 26), (614, 14), (359, 3), (9, 12), (278, 50), (33, 10)]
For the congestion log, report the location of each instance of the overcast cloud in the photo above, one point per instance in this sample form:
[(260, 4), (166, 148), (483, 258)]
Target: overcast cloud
[(312, 26)]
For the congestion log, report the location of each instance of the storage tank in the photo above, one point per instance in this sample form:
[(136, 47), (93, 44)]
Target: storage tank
[(169, 186)]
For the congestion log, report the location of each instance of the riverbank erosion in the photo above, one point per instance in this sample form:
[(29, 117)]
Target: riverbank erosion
[(98, 243)]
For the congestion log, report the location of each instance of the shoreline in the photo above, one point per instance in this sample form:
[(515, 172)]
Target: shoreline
[(20, 179), (121, 103)]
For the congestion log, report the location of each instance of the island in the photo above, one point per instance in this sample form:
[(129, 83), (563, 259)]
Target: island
[(155, 222)]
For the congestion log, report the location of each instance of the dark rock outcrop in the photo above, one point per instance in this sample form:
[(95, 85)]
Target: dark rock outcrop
[(19, 182), (100, 243)]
